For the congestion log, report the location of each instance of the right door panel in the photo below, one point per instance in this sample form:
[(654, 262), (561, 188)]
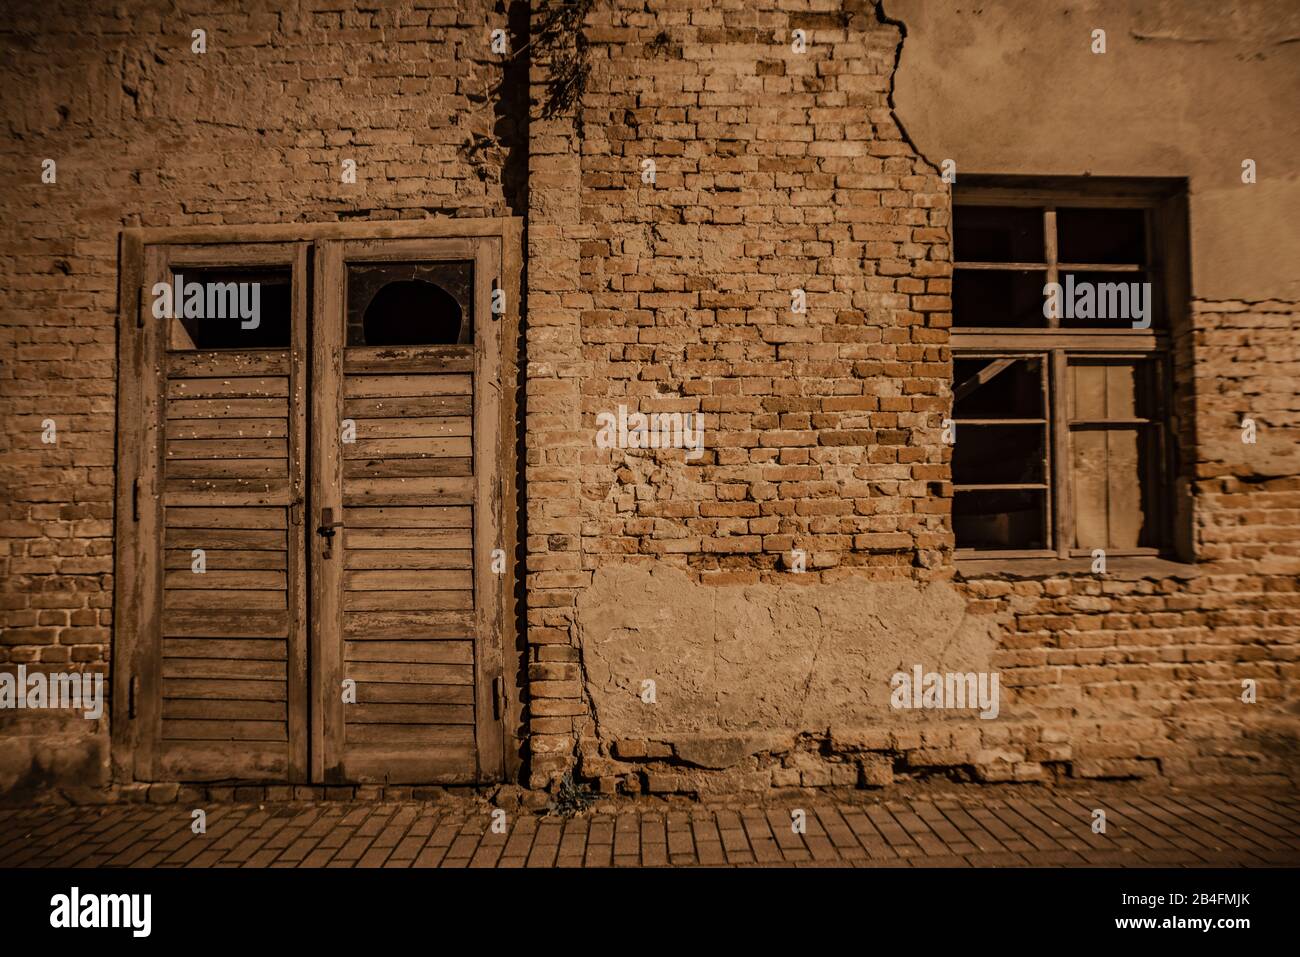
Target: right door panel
[(406, 505)]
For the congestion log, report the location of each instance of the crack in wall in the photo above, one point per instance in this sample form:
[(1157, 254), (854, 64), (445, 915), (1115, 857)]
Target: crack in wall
[(812, 668)]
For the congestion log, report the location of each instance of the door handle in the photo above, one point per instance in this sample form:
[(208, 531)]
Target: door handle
[(326, 531)]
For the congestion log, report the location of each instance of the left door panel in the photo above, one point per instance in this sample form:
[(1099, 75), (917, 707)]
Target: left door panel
[(221, 682)]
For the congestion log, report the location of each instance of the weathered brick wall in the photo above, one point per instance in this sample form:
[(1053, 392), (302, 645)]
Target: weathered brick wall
[(146, 132), (1247, 366), (774, 171)]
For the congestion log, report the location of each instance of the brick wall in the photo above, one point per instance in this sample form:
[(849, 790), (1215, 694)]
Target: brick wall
[(778, 170), (775, 170), (146, 132)]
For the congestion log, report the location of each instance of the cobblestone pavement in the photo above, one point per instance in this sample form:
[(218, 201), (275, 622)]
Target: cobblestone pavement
[(962, 829)]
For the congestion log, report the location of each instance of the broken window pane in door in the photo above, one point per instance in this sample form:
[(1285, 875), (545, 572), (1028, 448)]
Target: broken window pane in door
[(230, 307), (410, 303)]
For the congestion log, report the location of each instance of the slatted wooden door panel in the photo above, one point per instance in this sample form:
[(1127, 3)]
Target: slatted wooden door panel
[(405, 614), (226, 694)]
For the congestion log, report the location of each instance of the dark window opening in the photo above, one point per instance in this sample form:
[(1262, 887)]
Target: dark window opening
[(410, 304), (1101, 235), (1005, 388), (1000, 519), (1109, 300), (998, 234), (226, 308), (999, 459), (1000, 454), (998, 298)]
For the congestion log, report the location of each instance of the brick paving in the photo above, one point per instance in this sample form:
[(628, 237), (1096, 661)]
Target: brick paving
[(958, 829)]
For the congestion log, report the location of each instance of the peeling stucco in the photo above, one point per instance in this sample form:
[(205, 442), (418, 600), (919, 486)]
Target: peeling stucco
[(1188, 88), (760, 659)]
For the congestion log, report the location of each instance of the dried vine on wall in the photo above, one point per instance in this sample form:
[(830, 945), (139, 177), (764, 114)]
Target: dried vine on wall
[(559, 40)]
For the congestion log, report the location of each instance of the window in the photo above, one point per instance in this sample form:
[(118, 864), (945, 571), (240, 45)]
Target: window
[(410, 304), (231, 307), (1062, 301)]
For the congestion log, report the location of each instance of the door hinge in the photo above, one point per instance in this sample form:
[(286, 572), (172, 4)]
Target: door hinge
[(135, 500), (133, 691), (499, 689)]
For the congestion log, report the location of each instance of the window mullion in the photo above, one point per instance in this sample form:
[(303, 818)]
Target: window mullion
[(1057, 403), (1062, 510), (1050, 256)]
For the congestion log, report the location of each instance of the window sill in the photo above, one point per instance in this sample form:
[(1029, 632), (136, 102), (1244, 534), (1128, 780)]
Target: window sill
[(1118, 568)]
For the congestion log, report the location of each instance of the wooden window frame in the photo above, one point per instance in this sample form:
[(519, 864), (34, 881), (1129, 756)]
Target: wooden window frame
[(142, 343), (1163, 206)]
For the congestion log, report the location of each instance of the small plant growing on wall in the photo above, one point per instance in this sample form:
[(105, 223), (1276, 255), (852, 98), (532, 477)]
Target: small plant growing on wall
[(570, 798)]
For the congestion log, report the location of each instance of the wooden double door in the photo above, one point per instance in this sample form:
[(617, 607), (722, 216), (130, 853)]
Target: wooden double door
[(313, 552)]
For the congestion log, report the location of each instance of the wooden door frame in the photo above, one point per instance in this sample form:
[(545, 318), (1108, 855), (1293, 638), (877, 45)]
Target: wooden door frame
[(137, 528)]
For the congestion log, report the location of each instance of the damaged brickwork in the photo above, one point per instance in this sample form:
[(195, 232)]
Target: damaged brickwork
[(774, 170), (778, 170)]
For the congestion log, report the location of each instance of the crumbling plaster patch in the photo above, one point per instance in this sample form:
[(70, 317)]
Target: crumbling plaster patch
[(760, 663)]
